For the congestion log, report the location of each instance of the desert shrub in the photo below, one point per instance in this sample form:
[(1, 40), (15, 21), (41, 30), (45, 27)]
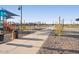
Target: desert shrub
[(58, 29)]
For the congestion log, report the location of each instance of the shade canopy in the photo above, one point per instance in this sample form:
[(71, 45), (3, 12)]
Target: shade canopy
[(77, 19), (7, 14)]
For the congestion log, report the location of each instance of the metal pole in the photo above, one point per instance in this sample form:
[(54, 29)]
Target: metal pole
[(59, 20), (21, 17), (63, 23), (0, 16), (59, 26), (3, 20)]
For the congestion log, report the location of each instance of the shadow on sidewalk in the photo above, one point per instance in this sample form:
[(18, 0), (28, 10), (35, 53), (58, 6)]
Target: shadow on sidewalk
[(34, 39), (20, 45), (75, 34), (72, 36)]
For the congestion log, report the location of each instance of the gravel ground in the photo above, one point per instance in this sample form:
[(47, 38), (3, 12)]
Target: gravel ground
[(62, 45)]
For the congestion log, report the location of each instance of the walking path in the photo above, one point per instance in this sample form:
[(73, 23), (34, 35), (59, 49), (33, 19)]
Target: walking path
[(29, 44)]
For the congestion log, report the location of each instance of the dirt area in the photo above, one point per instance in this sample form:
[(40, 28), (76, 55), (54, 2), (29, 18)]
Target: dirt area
[(60, 45)]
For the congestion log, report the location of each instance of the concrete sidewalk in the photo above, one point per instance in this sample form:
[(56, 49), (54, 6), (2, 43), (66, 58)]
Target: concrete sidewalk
[(29, 44)]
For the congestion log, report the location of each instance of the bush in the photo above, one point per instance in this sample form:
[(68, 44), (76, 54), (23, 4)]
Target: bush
[(58, 29)]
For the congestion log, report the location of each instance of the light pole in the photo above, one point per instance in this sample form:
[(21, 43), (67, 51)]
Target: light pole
[(20, 8), (21, 17)]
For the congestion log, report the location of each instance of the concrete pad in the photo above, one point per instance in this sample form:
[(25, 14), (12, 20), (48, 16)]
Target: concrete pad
[(34, 39), (35, 43), (17, 41), (6, 48), (36, 36), (24, 50)]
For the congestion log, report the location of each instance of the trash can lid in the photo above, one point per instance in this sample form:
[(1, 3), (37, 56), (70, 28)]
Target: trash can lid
[(15, 30)]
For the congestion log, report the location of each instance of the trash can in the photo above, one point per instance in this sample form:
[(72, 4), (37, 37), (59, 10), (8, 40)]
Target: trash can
[(14, 34), (1, 37)]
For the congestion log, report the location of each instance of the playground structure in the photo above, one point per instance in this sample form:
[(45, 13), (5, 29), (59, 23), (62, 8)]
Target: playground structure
[(8, 26), (4, 24)]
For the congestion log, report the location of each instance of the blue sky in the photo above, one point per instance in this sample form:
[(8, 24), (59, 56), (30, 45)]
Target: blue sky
[(44, 13)]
